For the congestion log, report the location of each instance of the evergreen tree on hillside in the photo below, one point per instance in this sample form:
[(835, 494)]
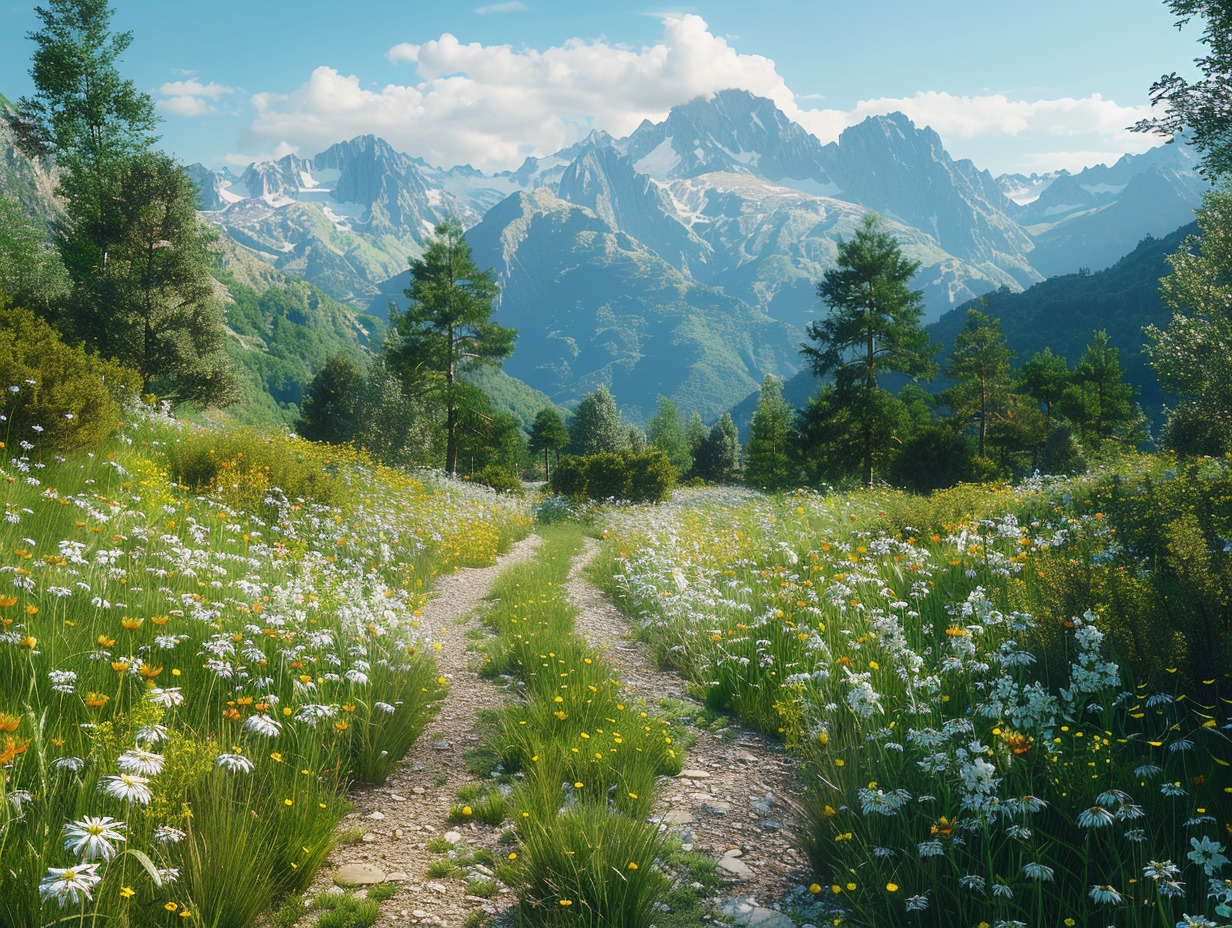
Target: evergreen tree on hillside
[(695, 437), (142, 291), (766, 459), (1098, 401), (980, 365), (664, 433), (596, 426), (328, 411), (718, 458), (448, 327), (873, 328), (548, 433)]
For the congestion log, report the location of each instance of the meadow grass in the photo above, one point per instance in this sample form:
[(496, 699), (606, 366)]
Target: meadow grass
[(968, 760), (197, 660), (588, 758)]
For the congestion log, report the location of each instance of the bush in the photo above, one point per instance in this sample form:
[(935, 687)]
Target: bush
[(638, 478), (1062, 452), (935, 458), (56, 396), (498, 478)]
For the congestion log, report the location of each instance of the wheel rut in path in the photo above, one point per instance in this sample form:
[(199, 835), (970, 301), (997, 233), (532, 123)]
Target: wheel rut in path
[(739, 789), (412, 808)]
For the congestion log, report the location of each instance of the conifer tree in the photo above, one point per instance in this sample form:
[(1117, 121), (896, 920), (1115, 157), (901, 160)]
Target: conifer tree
[(874, 327), (980, 364), (1098, 401), (448, 329), (766, 459), (665, 433)]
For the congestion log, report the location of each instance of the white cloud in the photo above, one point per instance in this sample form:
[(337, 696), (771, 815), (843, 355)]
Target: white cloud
[(513, 7), (491, 105), (191, 97)]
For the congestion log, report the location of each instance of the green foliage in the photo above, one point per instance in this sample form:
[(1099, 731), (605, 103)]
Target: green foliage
[(980, 365), (448, 327), (596, 427), (933, 458), (328, 411), (31, 273), (1098, 401), (56, 396), (1193, 354), (142, 293), (767, 459), (718, 457), (548, 434), (665, 433), (499, 478), (873, 328), (1199, 108), (81, 110), (840, 434), (350, 912), (643, 478)]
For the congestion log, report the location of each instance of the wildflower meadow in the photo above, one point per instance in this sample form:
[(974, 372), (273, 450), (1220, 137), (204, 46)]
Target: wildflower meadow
[(977, 753), (207, 637)]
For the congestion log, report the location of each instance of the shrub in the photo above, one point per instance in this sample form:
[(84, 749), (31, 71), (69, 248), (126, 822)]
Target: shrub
[(934, 458), (56, 396), (499, 478), (639, 478)]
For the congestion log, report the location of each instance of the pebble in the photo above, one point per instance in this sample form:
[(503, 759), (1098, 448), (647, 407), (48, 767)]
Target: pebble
[(398, 833), (437, 888), (716, 806), (763, 805), (678, 817), (733, 866), (376, 816), (417, 790), (453, 837), (755, 916), (694, 774), (396, 798), (359, 874), (398, 877)]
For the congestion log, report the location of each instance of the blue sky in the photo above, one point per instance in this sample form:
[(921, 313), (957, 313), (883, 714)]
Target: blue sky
[(1014, 87)]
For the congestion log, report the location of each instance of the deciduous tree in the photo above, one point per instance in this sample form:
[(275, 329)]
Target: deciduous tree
[(596, 427)]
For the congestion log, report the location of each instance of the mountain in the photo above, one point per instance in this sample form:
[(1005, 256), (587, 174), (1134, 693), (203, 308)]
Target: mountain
[(346, 219), (594, 306), (891, 167), (731, 131), (1091, 218)]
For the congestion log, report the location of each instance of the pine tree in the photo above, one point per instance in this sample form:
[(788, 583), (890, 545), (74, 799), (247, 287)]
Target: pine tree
[(766, 459), (664, 433), (873, 328), (447, 329), (980, 364), (1098, 401)]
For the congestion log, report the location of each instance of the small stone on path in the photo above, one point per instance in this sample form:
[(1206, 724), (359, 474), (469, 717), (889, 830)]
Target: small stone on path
[(678, 817), (695, 774), (754, 916), (453, 837), (359, 875), (733, 866)]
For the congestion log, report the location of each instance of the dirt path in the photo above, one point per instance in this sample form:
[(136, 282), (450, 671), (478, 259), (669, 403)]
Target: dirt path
[(738, 789), (412, 808)]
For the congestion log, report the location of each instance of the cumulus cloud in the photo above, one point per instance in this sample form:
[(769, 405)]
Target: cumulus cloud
[(491, 105), (191, 97)]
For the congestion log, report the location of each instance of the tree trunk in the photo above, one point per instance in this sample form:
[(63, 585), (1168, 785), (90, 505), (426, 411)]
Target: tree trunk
[(547, 476), (451, 432)]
